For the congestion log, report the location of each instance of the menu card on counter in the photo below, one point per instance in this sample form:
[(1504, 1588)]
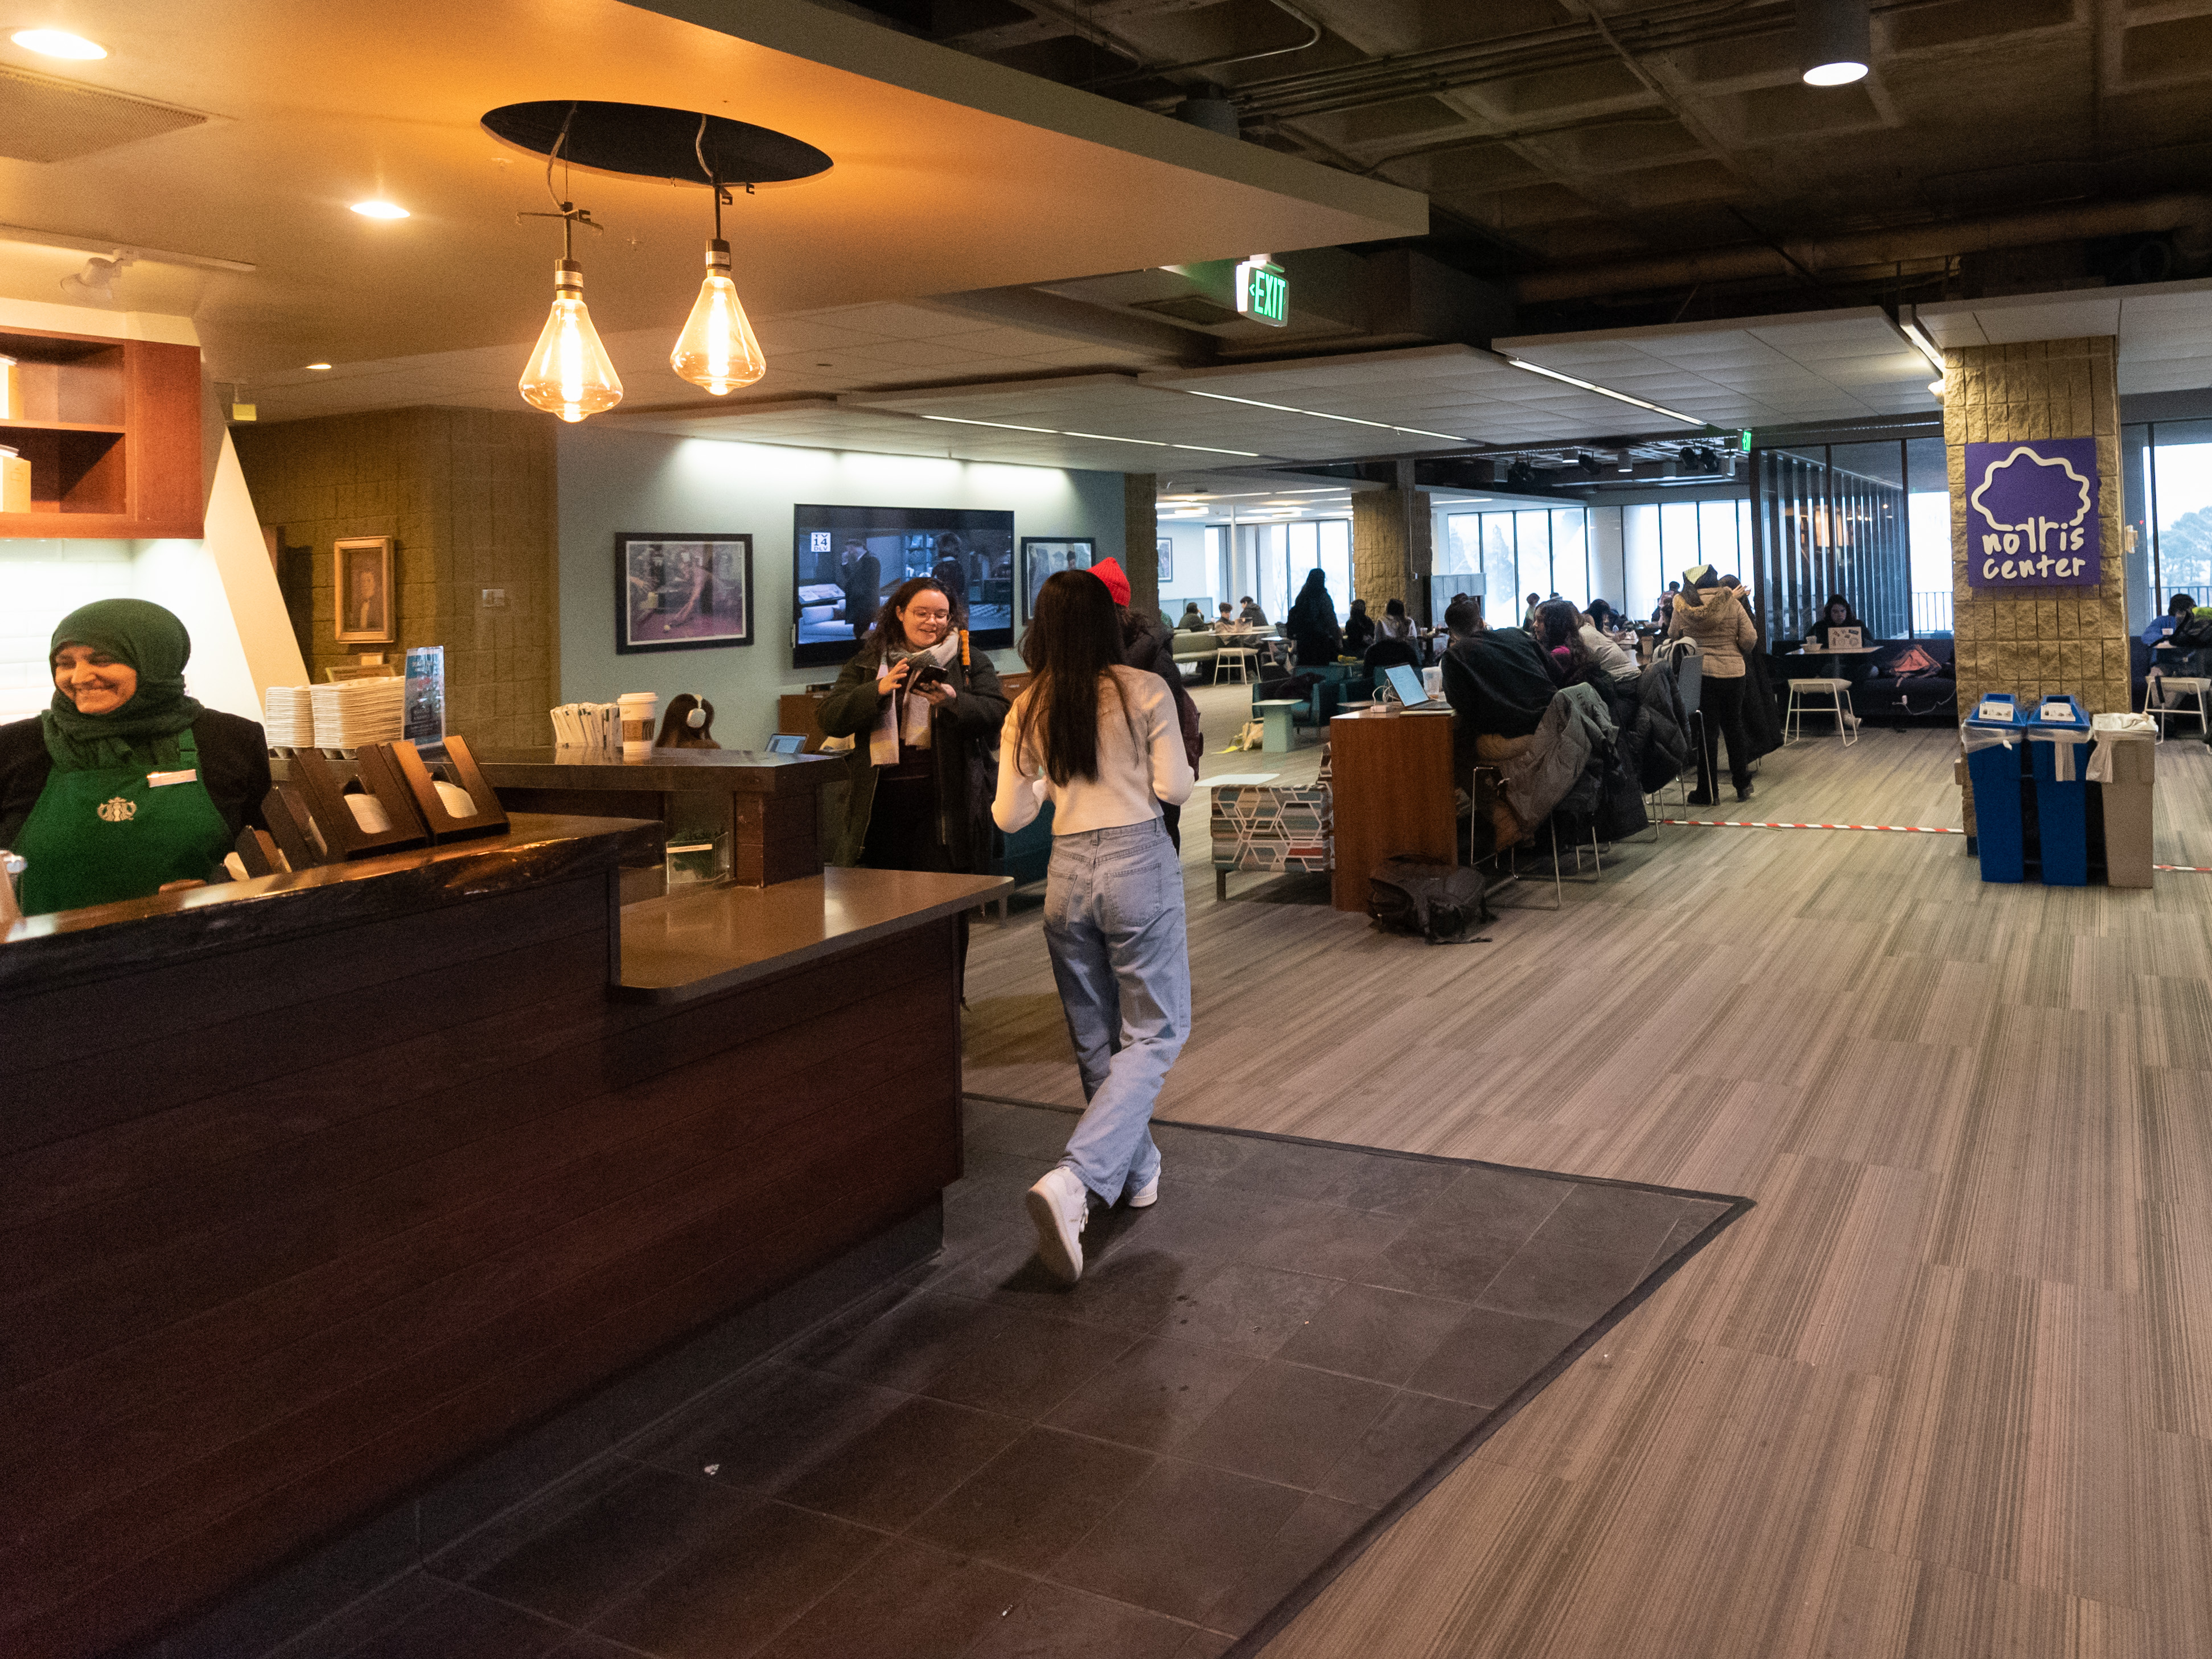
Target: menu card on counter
[(425, 725)]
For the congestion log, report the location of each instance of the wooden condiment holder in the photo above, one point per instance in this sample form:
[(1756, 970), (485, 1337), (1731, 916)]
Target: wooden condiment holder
[(324, 795), (489, 819)]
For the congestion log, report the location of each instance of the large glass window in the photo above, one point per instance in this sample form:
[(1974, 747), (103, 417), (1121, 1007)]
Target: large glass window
[(1570, 555), (1271, 574), (1643, 558), (2181, 476), (1927, 533), (1335, 558)]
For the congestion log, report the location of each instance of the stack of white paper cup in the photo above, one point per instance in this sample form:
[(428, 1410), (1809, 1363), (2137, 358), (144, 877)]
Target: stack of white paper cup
[(638, 711)]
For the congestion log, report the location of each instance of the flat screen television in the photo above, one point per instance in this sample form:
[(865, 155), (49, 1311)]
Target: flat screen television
[(847, 561)]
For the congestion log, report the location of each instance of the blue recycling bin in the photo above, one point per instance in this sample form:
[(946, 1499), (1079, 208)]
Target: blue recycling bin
[(1995, 736), (2058, 735)]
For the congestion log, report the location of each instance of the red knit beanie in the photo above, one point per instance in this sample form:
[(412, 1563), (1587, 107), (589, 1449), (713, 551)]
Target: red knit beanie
[(1109, 571)]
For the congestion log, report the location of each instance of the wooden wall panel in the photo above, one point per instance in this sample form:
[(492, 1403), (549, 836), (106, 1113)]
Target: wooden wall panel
[(287, 1262)]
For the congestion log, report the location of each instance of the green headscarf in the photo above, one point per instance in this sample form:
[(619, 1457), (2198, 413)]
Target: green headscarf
[(153, 641)]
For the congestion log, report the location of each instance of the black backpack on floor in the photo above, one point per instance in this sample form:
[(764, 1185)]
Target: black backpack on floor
[(1439, 902)]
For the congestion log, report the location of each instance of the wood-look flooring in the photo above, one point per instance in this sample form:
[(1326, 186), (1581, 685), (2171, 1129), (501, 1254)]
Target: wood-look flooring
[(1946, 1392)]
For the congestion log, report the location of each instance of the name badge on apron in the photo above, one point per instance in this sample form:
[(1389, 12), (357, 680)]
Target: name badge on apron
[(157, 780)]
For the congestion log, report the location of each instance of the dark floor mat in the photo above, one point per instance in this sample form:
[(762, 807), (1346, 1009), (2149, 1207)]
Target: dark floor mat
[(1254, 1379)]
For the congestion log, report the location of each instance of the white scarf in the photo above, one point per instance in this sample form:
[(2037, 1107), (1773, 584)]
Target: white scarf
[(904, 717)]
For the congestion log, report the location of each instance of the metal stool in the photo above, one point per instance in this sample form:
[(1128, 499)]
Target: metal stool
[(1239, 657), (1838, 695), (2160, 712)]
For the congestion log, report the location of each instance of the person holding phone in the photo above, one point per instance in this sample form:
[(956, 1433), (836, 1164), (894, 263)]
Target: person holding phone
[(1101, 741), (920, 709)]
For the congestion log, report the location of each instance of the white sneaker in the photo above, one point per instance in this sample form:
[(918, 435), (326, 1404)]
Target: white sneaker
[(1851, 721), (1147, 1196), (1059, 1205)]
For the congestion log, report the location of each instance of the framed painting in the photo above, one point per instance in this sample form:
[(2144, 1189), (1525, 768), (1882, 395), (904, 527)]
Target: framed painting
[(1165, 550), (683, 593), (361, 575), (1048, 555)]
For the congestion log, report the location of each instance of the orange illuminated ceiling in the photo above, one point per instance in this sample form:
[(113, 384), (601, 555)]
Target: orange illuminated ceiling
[(950, 174)]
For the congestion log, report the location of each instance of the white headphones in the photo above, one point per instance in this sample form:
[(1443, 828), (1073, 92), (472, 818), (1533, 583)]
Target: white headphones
[(696, 719)]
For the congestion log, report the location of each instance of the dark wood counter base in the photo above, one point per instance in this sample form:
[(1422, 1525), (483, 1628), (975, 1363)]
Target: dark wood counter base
[(300, 1221)]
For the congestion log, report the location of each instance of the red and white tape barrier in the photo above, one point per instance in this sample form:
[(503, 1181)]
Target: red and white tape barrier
[(1742, 823), (1895, 828)]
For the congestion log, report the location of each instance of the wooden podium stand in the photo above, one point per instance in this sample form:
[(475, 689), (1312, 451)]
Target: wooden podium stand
[(1391, 776)]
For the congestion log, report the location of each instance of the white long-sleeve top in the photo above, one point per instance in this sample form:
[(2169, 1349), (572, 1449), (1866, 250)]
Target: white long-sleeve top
[(1140, 764)]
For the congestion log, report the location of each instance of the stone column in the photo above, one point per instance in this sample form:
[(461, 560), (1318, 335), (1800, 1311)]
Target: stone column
[(1387, 563), (1140, 553), (2038, 641)]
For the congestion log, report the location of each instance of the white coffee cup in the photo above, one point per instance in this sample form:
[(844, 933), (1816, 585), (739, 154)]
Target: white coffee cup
[(637, 710)]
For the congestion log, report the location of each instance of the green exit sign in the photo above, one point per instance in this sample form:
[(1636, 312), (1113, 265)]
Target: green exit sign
[(1262, 292)]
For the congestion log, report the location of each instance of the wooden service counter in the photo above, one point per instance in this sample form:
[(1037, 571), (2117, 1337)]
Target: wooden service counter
[(768, 804), (1391, 778), (318, 1185)]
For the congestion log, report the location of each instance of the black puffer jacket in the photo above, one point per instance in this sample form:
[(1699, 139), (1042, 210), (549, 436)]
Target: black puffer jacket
[(1658, 732), (963, 734)]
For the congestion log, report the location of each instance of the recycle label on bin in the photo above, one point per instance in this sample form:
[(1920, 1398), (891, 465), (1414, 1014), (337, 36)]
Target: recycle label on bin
[(2060, 712), (1992, 709)]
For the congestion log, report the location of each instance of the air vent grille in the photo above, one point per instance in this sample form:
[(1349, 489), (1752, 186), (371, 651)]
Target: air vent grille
[(43, 118)]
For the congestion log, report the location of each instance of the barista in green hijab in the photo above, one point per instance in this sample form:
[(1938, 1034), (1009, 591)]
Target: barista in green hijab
[(125, 786)]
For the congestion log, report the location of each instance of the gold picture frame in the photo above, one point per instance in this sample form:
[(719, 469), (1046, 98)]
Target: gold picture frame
[(365, 603)]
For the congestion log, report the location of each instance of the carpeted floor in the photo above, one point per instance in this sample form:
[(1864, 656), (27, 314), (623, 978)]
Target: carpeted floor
[(1253, 1380)]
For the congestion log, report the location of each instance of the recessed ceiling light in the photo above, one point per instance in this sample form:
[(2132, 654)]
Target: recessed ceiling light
[(1841, 73), (380, 210), (318, 365), (58, 43)]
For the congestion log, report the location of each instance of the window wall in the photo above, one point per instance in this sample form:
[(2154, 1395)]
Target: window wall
[(2168, 471), (1516, 551), (1270, 561), (1833, 518), (1660, 540)]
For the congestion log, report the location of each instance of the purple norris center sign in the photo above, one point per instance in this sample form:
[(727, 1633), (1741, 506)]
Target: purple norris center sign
[(2031, 514)]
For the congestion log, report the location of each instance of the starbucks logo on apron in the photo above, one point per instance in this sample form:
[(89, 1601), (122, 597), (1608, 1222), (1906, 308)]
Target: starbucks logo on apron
[(116, 810)]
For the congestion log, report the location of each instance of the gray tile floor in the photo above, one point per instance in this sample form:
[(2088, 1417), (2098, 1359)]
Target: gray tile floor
[(979, 1463)]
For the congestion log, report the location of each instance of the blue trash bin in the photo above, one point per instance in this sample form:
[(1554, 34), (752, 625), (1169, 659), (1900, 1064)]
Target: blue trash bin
[(2058, 734), (1995, 735)]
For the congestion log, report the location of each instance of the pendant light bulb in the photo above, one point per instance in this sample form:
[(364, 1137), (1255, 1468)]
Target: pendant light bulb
[(569, 373), (717, 349)]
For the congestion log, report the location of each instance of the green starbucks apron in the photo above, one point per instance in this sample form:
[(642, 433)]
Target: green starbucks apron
[(118, 832)]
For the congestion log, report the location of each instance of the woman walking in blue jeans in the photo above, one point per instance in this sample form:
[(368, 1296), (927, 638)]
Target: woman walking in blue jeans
[(1101, 742)]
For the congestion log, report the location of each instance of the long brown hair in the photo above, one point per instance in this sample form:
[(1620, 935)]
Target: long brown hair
[(1073, 642)]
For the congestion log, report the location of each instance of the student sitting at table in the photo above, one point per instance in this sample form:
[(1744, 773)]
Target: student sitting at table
[(1226, 622), (1394, 623), (1193, 620), (1359, 630), (2177, 611), (1250, 614), (1837, 613)]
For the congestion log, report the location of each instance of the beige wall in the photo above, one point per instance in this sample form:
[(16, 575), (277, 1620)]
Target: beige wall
[(468, 497), (1384, 566), (2039, 642)]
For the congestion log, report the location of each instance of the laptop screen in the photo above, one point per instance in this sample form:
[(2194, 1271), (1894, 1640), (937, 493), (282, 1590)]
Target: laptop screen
[(788, 742), (1406, 683)]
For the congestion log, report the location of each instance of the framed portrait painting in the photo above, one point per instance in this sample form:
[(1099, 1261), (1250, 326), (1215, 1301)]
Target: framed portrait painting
[(1048, 555), (361, 573), (683, 593)]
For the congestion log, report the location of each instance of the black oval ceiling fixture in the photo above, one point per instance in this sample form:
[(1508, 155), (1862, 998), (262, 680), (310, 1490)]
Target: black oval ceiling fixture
[(647, 142)]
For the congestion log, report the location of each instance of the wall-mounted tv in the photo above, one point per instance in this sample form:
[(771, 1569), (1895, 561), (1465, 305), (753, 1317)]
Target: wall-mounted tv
[(847, 561)]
